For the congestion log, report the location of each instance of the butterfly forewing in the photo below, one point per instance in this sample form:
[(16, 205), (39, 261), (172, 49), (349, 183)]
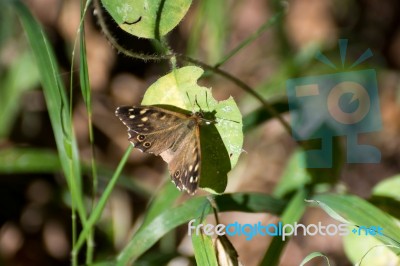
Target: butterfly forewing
[(148, 119), (172, 135), (150, 129)]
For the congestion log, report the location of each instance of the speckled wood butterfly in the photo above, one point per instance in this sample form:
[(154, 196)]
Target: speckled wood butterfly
[(173, 135)]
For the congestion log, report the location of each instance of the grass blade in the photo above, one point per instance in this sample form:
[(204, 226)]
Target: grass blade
[(57, 105)]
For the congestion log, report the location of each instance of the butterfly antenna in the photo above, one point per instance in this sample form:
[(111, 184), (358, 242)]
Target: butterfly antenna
[(192, 105), (208, 107), (196, 102)]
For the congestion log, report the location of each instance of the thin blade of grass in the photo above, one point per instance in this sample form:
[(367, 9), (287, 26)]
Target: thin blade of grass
[(313, 255), (203, 247), (85, 88), (98, 209), (267, 25), (57, 105)]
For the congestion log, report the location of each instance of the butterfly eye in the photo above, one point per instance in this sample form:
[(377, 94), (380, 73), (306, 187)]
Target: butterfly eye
[(177, 173), (147, 144), (141, 138)]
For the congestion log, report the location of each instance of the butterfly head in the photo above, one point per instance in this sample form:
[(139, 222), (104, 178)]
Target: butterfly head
[(204, 118)]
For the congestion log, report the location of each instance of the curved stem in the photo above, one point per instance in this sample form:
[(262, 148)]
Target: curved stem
[(216, 70), (241, 85)]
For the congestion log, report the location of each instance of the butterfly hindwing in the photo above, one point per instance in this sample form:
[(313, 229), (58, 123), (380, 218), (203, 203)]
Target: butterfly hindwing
[(186, 165)]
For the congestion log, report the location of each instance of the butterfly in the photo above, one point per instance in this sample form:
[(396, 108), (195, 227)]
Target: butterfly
[(173, 135)]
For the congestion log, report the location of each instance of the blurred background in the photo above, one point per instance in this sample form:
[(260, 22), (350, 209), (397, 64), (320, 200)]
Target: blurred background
[(35, 215)]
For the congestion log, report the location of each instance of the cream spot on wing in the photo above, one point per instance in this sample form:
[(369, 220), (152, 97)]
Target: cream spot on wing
[(163, 117), (186, 173), (144, 119), (129, 135), (140, 125), (191, 180), (196, 179), (196, 167), (131, 110), (145, 129), (131, 116), (190, 168), (143, 111)]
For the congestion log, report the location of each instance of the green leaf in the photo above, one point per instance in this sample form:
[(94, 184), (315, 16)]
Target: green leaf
[(204, 250), (28, 161), (346, 208), (368, 250), (389, 187), (386, 196), (203, 246), (147, 18), (221, 144)]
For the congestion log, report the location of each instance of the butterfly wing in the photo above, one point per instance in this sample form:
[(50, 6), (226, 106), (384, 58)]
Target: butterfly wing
[(152, 129), (173, 136), (185, 166)]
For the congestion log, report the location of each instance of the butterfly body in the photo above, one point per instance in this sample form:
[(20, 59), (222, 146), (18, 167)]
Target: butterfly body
[(172, 135)]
